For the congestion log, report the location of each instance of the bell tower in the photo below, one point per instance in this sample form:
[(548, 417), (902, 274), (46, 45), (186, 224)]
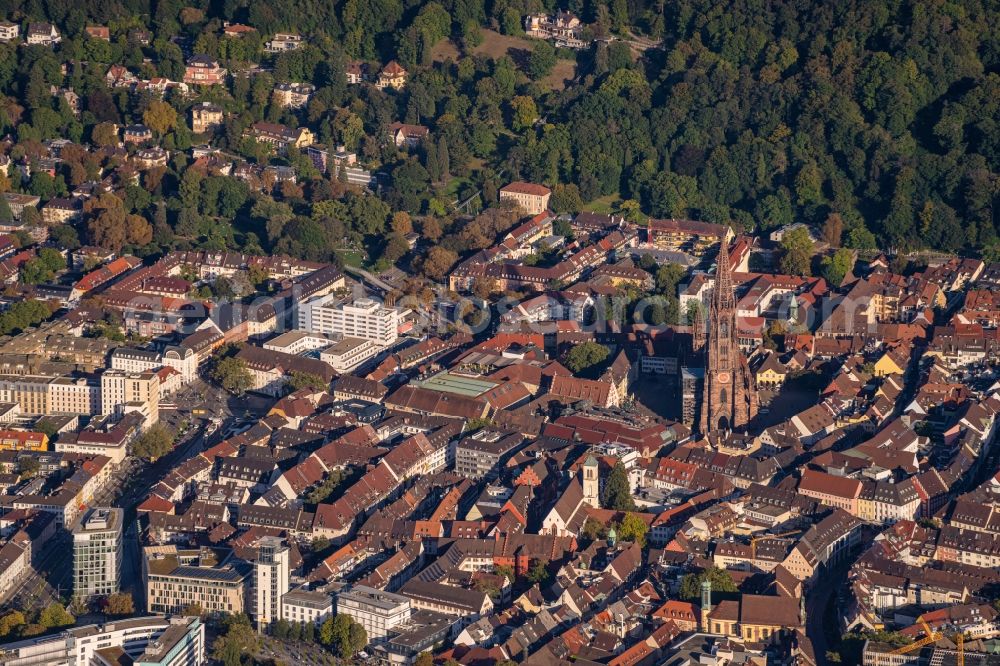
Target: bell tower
[(591, 482)]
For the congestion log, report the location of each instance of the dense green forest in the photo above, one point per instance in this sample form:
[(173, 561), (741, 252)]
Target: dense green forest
[(755, 112)]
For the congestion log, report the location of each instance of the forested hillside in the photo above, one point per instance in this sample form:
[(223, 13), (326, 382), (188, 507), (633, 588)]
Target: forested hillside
[(758, 112), (768, 112)]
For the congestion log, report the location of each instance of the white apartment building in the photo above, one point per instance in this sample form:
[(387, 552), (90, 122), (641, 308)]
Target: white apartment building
[(365, 318), (270, 580), (123, 392), (375, 610), (116, 451), (74, 395), (304, 605), (183, 360), (15, 561), (97, 552), (348, 353), (128, 359), (9, 31)]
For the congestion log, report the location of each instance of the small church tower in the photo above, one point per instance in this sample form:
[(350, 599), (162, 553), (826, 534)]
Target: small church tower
[(591, 482)]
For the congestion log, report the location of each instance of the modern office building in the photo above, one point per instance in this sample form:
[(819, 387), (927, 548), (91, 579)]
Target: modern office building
[(375, 610), (366, 318), (178, 579), (480, 455), (270, 580), (97, 552), (142, 641), (348, 353)]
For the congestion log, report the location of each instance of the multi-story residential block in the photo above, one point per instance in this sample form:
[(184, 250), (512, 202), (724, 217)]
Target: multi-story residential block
[(377, 611), (23, 440), (280, 137), (204, 71), (366, 318), (30, 392), (102, 437), (342, 164), (481, 455), (292, 95), (688, 236), (9, 31), (15, 563), (282, 42), (74, 395), (533, 199), (97, 552), (61, 210), (392, 76), (205, 116), (270, 580), (304, 605), (17, 202), (43, 33), (123, 392)]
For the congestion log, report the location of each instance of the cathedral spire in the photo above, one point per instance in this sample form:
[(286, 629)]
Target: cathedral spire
[(722, 296), (729, 399)]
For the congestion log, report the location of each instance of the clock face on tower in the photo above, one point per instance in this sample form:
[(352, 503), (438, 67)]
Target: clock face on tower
[(723, 377)]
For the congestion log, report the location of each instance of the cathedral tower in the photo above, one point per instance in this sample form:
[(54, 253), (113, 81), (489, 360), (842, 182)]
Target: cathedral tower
[(729, 396)]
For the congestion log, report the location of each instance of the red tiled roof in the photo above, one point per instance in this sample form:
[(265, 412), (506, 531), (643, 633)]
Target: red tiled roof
[(520, 187), (828, 484)]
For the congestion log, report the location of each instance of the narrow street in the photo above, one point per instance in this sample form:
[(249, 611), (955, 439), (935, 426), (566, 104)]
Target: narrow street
[(135, 491), (818, 600)]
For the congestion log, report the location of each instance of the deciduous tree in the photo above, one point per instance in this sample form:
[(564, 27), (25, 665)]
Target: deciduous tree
[(160, 117), (437, 261), (585, 356), (796, 252), (120, 604), (633, 528), (155, 443)]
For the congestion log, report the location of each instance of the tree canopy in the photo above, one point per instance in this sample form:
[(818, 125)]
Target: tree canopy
[(617, 490), (584, 356), (155, 443)]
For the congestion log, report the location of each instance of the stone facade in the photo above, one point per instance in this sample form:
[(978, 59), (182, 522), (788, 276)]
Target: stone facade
[(729, 398)]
